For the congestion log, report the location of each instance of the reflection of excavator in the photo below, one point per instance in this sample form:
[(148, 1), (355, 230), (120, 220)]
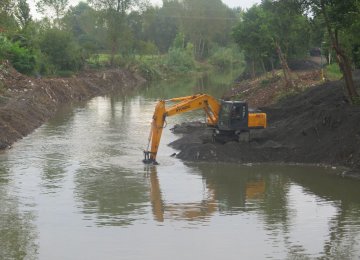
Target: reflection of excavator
[(253, 190), (188, 211), (228, 118)]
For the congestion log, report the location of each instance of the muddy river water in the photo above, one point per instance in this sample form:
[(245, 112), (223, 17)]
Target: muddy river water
[(76, 189)]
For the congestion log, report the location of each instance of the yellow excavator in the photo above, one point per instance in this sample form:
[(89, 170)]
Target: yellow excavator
[(228, 119)]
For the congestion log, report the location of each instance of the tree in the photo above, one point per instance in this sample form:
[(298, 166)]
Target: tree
[(7, 19), (290, 32), (57, 6), (115, 14), (61, 50), (86, 26), (253, 37), (205, 22), (338, 17), (273, 29), (23, 13), (162, 24)]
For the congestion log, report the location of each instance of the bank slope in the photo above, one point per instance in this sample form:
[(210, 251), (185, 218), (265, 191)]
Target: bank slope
[(317, 126), (26, 103)]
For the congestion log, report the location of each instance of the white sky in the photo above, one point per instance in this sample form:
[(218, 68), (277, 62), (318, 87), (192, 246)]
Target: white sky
[(230, 3)]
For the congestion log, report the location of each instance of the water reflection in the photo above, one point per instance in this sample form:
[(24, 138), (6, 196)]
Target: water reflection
[(97, 201), (344, 225), (182, 211), (17, 232), (310, 215), (111, 197), (214, 84)]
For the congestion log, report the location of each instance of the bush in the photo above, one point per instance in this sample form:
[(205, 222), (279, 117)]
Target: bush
[(333, 72), (61, 50), (148, 71), (180, 60), (224, 58), (21, 58)]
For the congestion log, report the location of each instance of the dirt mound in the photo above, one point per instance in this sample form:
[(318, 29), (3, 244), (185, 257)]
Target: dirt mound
[(26, 103), (317, 126), (267, 89)]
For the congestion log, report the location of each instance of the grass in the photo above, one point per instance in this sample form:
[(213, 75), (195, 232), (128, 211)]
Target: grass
[(332, 72)]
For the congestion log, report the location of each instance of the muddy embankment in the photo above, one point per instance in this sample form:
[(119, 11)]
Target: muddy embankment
[(317, 126), (26, 103)]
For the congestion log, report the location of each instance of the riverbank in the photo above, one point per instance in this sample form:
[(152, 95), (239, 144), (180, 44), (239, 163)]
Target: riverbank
[(26, 103), (317, 126)]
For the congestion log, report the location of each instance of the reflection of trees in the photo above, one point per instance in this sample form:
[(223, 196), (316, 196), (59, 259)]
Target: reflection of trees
[(17, 234), (113, 196), (231, 188), (53, 171), (235, 189), (345, 193)]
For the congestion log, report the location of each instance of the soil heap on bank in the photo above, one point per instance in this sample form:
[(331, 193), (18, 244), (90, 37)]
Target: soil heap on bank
[(317, 126)]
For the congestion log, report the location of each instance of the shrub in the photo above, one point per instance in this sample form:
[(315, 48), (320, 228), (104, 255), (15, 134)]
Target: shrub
[(148, 70), (333, 72), (62, 51), (180, 60), (224, 58), (21, 58)]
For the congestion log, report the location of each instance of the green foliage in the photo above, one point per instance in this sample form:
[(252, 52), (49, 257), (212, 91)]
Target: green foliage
[(87, 27), (180, 60), (267, 28), (65, 73), (225, 58), (148, 70), (333, 72), (61, 50), (356, 101), (21, 58), (56, 6), (23, 13), (160, 25), (145, 48), (179, 41)]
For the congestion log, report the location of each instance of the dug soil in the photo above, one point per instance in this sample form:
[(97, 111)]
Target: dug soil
[(317, 126), (26, 103)]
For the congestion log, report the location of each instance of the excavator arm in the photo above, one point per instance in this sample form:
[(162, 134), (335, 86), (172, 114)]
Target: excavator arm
[(210, 105)]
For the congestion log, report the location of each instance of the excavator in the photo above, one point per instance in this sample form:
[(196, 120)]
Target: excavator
[(228, 119)]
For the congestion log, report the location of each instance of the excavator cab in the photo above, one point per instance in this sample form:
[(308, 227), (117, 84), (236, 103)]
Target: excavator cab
[(233, 116)]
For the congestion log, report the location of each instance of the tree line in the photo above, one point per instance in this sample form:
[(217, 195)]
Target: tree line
[(267, 35), (120, 28), (275, 32)]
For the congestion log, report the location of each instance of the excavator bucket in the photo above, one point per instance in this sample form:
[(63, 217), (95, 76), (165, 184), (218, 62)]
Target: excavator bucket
[(148, 159)]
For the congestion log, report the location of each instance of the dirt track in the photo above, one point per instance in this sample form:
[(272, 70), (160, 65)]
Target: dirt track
[(317, 127), (26, 103)]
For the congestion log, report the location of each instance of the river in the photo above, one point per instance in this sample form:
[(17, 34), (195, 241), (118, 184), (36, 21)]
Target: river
[(76, 189)]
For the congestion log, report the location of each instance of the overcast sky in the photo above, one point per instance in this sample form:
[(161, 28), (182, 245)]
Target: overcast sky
[(230, 3)]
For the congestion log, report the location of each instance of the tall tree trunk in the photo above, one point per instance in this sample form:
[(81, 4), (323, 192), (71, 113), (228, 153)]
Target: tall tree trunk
[(272, 67), (198, 49), (341, 57), (263, 65), (253, 74), (286, 70), (202, 49), (113, 52)]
